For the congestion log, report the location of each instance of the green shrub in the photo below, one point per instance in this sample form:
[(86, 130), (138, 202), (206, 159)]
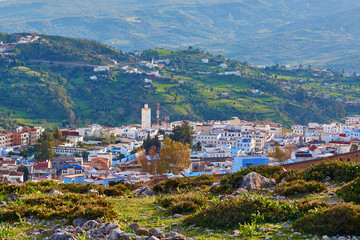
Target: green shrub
[(299, 187), (350, 192), (343, 219), (183, 203), (175, 184), (228, 214), (336, 170), (67, 206)]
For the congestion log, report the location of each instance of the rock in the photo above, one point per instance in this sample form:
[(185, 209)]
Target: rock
[(79, 222), (110, 227), (142, 231), (215, 184), (134, 226), (51, 231), (55, 193), (240, 191), (144, 191), (93, 192), (176, 224), (78, 230), (3, 204), (13, 197), (156, 232), (224, 197), (115, 234), (325, 237), (327, 178), (177, 215), (174, 236), (254, 181), (297, 234), (153, 238), (159, 208), (278, 198), (90, 224), (61, 235), (142, 238)]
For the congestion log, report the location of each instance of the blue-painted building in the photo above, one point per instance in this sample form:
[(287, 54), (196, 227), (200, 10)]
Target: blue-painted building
[(248, 160), (74, 178)]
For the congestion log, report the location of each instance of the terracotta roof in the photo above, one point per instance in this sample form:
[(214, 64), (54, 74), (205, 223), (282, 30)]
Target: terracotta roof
[(41, 165), (312, 148), (102, 161)]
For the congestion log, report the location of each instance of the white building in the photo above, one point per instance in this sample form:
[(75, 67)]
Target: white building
[(352, 120), (245, 144), (146, 117)]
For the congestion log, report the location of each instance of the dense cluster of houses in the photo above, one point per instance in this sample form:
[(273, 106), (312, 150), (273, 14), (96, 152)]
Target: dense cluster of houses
[(218, 147)]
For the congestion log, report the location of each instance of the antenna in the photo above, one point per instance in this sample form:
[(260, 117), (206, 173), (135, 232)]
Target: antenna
[(43, 26)]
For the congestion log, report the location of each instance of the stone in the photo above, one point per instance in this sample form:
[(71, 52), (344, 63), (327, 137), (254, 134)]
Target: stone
[(153, 238), (90, 224), (278, 198), (61, 235), (79, 222), (142, 238), (254, 181), (110, 227), (115, 234), (78, 230), (174, 236), (93, 192), (13, 197), (51, 231), (325, 237), (240, 191), (297, 234), (177, 215), (134, 226), (55, 193), (3, 204), (142, 231), (156, 232), (224, 197), (327, 178), (215, 184), (144, 191)]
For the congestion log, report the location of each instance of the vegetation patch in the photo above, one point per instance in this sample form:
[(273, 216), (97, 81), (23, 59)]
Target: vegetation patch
[(176, 184), (350, 192), (336, 170), (299, 187), (182, 203), (228, 214), (343, 219)]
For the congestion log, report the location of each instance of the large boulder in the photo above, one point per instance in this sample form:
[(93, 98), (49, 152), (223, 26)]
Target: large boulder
[(93, 192), (55, 193), (79, 222), (115, 234), (254, 181), (62, 235), (144, 191)]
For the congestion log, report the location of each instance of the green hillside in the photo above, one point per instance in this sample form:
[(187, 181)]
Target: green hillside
[(320, 32), (50, 80)]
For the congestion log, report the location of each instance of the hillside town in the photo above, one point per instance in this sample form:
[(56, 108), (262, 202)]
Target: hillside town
[(219, 147)]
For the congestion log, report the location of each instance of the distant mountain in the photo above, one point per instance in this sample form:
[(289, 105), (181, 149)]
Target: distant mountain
[(53, 79), (319, 32)]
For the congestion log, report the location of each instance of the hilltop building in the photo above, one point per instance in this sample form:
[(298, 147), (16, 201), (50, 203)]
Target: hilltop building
[(146, 117)]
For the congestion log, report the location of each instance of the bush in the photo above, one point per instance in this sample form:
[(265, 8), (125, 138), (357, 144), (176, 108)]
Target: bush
[(175, 184), (299, 187), (184, 203), (343, 219), (350, 192), (336, 170), (228, 214), (67, 206)]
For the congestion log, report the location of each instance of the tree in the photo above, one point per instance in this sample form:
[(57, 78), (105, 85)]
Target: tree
[(288, 150), (25, 170), (57, 133), (183, 134), (44, 147), (174, 157), (354, 148), (278, 154), (151, 142), (142, 160), (197, 146), (72, 118)]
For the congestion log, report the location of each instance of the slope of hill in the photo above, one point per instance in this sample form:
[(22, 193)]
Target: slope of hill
[(318, 32), (44, 80)]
